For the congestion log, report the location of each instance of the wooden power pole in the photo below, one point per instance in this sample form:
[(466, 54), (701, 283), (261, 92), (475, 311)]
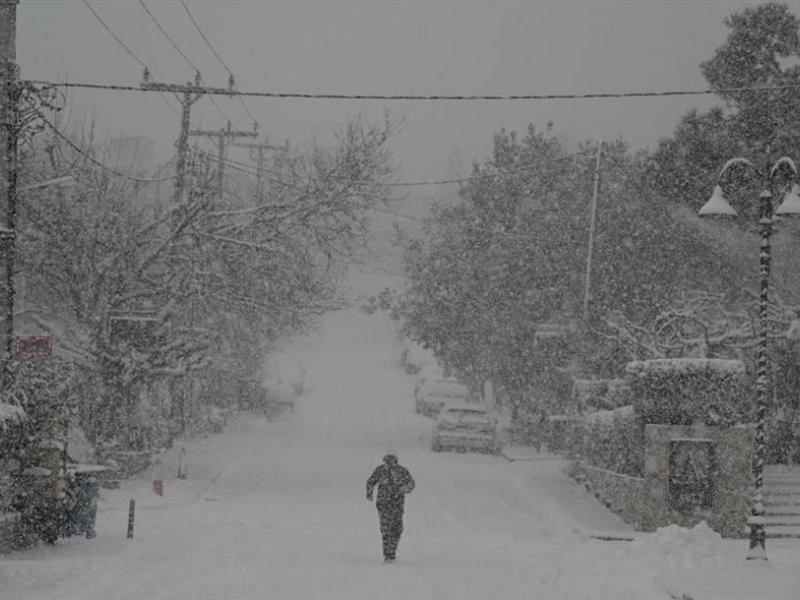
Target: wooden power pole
[(188, 94), (257, 153), (223, 135), (9, 107)]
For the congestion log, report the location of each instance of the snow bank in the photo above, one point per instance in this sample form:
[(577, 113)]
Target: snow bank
[(695, 547)]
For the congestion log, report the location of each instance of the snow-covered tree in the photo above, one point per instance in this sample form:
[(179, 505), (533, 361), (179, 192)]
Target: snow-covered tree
[(219, 279), (487, 273)]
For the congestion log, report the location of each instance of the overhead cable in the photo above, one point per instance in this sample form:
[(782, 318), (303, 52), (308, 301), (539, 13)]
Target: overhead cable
[(114, 35), (216, 54), (96, 162), (181, 52), (124, 46), (215, 91)]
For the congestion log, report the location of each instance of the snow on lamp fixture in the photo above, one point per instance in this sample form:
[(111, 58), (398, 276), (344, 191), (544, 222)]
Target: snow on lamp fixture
[(717, 205), (791, 203)]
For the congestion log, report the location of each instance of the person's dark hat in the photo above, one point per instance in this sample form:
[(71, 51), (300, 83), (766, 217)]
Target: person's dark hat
[(390, 459)]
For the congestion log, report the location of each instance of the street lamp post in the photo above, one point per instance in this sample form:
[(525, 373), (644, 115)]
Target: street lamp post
[(717, 205)]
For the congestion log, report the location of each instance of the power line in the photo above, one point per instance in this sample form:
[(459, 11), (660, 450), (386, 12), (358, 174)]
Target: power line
[(488, 97), (483, 176), (114, 35), (181, 52), (205, 39), (253, 170), (96, 162), (124, 46), (167, 35), (248, 169), (216, 54)]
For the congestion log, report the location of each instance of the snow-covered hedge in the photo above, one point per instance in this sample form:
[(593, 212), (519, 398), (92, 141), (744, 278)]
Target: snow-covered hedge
[(602, 394), (681, 391), (612, 440)]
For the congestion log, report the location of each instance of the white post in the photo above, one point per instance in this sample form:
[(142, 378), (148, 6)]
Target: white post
[(592, 219)]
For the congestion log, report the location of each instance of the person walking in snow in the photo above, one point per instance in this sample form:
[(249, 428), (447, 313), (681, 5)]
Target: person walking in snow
[(394, 481)]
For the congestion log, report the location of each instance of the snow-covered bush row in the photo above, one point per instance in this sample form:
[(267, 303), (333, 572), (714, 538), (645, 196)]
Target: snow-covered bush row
[(612, 440), (680, 391), (604, 394)]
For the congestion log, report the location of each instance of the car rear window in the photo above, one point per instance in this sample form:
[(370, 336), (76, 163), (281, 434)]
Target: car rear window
[(467, 414), (447, 390)]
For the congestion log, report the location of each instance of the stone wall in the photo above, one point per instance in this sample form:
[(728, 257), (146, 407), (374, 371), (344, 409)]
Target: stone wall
[(645, 502), (731, 477), (626, 496), (11, 533)]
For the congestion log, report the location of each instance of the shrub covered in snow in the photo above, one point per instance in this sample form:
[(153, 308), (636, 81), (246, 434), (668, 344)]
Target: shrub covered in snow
[(613, 440), (603, 394), (681, 391)]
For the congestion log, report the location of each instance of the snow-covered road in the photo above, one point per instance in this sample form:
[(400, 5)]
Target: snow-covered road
[(277, 510)]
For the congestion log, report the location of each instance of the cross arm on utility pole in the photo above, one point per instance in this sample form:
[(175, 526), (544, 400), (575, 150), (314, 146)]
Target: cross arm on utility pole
[(259, 148), (262, 145), (222, 135), (226, 132)]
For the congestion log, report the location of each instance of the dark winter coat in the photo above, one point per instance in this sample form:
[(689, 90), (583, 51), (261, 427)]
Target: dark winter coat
[(394, 482)]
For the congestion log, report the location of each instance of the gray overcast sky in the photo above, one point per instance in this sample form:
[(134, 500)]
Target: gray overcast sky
[(387, 47)]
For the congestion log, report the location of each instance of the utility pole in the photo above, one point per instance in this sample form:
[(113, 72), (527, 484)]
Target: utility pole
[(11, 93), (223, 135), (188, 94), (258, 149), (592, 219)]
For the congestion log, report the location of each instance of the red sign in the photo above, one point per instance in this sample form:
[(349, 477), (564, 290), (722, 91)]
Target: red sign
[(28, 346)]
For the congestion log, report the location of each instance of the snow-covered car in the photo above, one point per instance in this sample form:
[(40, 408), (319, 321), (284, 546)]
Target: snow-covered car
[(432, 394), (465, 426), (414, 358)]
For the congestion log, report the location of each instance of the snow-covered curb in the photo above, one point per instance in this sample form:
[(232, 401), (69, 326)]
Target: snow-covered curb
[(523, 453)]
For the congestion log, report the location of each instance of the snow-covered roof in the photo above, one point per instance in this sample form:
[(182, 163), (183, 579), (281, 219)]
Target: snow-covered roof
[(685, 365), (10, 412)]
